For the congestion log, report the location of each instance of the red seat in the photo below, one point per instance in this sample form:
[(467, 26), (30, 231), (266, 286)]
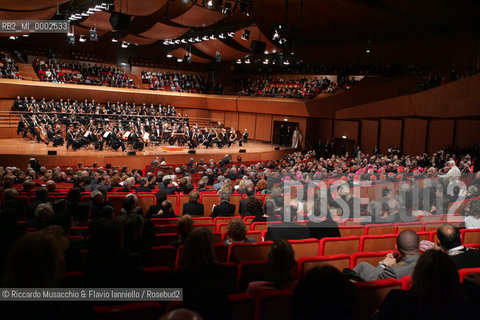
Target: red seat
[(344, 245), (248, 219), (339, 261), (157, 277), (261, 226), (182, 199), (376, 229), (406, 282), (372, 294), (466, 271), (221, 252), (145, 200), (274, 304), (209, 226), (208, 201), (139, 310), (173, 198), (470, 235), (377, 243), (238, 252), (164, 239), (164, 256), (243, 306), (115, 200), (414, 226), (219, 220), (257, 235), (348, 231), (164, 221), (304, 248), (249, 271)]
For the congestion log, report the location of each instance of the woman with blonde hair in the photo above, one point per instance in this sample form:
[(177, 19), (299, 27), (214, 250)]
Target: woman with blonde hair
[(226, 187)]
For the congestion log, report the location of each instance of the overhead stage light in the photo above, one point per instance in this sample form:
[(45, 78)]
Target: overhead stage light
[(246, 34), (82, 39)]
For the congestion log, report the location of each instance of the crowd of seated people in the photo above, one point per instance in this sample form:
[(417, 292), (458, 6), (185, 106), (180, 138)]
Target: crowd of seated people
[(287, 88), (432, 80), (120, 246), (52, 70), (178, 82), (8, 67)]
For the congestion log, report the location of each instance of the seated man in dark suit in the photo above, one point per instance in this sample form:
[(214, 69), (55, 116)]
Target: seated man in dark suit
[(167, 210), (225, 208), (167, 187), (322, 228), (243, 202), (287, 230), (192, 207), (155, 208), (451, 243), (392, 266), (143, 186)]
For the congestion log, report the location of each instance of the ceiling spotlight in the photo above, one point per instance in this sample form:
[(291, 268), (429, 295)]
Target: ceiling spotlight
[(221, 36), (265, 52), (367, 51), (91, 11), (246, 34), (179, 60), (239, 61), (98, 8), (125, 44), (177, 41), (205, 38), (198, 39), (213, 37), (82, 39), (85, 14), (169, 55), (210, 3), (191, 40), (265, 61), (70, 39), (247, 61), (276, 35), (183, 41), (13, 37), (286, 62), (26, 35), (231, 34), (170, 42), (282, 41), (114, 40)]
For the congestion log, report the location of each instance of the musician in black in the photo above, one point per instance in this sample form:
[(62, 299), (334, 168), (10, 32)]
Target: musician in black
[(232, 138), (71, 140), (22, 128), (244, 137)]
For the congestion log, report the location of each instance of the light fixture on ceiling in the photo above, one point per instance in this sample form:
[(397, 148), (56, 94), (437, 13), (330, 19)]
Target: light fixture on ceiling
[(169, 55), (231, 34), (221, 36), (239, 61), (286, 62), (82, 39), (179, 60), (265, 61), (227, 8), (114, 40), (125, 44), (13, 37), (93, 35), (247, 61)]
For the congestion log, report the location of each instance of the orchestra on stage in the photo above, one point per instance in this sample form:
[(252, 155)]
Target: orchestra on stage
[(117, 126)]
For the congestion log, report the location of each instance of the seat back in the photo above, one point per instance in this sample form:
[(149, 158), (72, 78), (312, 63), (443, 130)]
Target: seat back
[(182, 199), (372, 294), (376, 229), (339, 261), (257, 235), (348, 231), (164, 239), (274, 304), (304, 248), (249, 271), (157, 277), (173, 198), (248, 219), (117, 203), (221, 252), (164, 256), (209, 226), (414, 226), (344, 245), (145, 201), (470, 235), (243, 306), (432, 225), (138, 310), (377, 243), (238, 252), (219, 220), (235, 199), (466, 271), (208, 201)]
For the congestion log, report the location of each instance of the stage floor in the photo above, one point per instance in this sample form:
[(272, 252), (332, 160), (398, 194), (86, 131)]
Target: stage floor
[(16, 152)]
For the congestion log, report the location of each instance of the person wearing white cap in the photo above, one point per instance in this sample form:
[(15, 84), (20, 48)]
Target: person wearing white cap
[(453, 172)]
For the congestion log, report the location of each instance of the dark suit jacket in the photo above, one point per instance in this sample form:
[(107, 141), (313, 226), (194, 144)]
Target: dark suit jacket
[(243, 206), (224, 209), (466, 258), (193, 209), (287, 231), (153, 210), (323, 229), (143, 189)]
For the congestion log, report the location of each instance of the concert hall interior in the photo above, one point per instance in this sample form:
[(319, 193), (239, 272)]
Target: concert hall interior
[(271, 159)]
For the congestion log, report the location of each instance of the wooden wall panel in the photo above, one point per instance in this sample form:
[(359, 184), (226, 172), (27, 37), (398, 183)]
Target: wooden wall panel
[(467, 133), (345, 128), (263, 127), (414, 136), (247, 120), (325, 130), (231, 120), (196, 113), (440, 134), (390, 134), (318, 130), (217, 115), (368, 135)]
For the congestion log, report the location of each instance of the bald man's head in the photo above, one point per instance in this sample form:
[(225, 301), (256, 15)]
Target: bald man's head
[(408, 242), (449, 236)]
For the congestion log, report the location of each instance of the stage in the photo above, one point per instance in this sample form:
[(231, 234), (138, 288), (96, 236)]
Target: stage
[(16, 152)]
